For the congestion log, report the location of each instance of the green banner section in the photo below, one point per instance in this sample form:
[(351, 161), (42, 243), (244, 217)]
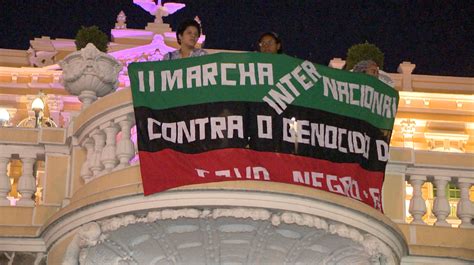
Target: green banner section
[(276, 80)]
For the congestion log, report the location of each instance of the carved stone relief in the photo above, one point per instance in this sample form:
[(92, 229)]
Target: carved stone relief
[(224, 236)]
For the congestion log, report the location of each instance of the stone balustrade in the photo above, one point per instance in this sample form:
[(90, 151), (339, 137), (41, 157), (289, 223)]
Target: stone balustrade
[(24, 153), (103, 130), (108, 147), (27, 182), (105, 135), (441, 206)]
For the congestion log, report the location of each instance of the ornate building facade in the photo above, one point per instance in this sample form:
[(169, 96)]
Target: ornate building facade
[(71, 191)]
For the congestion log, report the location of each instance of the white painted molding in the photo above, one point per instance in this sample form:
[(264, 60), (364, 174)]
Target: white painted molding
[(440, 172)]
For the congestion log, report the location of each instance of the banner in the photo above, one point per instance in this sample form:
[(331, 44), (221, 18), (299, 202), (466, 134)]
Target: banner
[(262, 117)]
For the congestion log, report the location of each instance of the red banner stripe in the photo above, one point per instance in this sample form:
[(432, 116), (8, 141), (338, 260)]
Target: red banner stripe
[(168, 169)]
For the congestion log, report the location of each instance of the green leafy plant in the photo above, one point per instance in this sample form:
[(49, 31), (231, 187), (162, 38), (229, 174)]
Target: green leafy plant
[(91, 35), (364, 51)]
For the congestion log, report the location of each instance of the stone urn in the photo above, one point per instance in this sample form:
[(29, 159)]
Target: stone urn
[(90, 73)]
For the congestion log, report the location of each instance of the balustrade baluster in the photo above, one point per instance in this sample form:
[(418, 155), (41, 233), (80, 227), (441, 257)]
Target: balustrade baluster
[(465, 209), (441, 205), (5, 185), (417, 204), (27, 182), (125, 147), (86, 172), (99, 143), (108, 158)]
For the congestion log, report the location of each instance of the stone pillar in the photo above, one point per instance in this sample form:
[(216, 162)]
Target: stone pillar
[(394, 192), (108, 158), (99, 143), (406, 68), (417, 204), (441, 205), (5, 184), (125, 147), (27, 182), (465, 209)]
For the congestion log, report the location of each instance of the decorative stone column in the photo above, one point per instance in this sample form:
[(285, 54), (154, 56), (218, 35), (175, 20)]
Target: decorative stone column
[(441, 205), (5, 185), (417, 204), (99, 142), (406, 68), (108, 158), (125, 148), (89, 74), (27, 182), (465, 210)]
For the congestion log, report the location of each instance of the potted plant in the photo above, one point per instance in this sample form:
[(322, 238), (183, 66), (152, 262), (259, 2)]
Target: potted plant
[(364, 51), (91, 35), (90, 72)]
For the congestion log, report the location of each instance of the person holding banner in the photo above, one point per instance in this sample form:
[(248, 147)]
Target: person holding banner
[(269, 42), (368, 67), (371, 68), (187, 35)]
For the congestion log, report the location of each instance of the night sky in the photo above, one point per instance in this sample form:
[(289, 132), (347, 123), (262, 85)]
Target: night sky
[(435, 35)]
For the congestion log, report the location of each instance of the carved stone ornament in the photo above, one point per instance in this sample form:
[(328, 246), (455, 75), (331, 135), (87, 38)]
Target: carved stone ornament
[(89, 74), (221, 236), (41, 58)]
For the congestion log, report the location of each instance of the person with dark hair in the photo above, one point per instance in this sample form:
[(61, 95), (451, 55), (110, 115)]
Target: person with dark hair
[(269, 42), (371, 68), (368, 67), (187, 35)]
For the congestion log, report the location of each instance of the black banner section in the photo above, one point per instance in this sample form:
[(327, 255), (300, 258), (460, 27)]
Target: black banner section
[(300, 131)]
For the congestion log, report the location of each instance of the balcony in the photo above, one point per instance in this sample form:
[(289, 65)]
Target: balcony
[(59, 184)]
